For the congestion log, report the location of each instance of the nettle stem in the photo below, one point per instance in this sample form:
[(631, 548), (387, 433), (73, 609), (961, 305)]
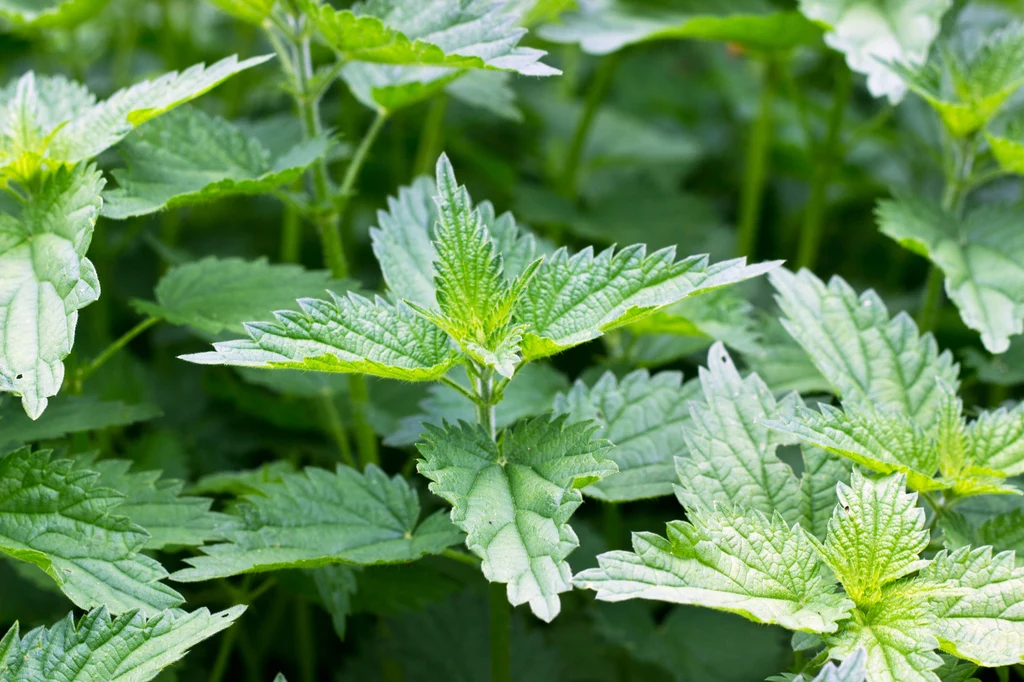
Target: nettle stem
[(958, 183), (828, 157), (110, 351), (327, 205), (595, 96), (756, 165)]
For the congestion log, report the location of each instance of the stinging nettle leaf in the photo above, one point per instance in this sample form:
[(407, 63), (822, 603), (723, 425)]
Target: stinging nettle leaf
[(45, 279), (873, 32), (216, 295), (188, 157), (76, 535), (461, 34), (643, 416), (870, 359), (851, 670), (49, 13), (726, 559), (982, 257), (605, 26), (574, 299), (317, 518), (253, 11), (514, 498), (65, 415), (347, 334), (129, 648)]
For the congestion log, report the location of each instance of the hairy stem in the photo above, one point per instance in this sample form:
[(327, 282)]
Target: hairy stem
[(291, 234), (756, 164), (366, 438), (828, 159), (595, 95), (335, 428), (461, 557), (501, 634), (348, 183), (432, 138), (113, 349)]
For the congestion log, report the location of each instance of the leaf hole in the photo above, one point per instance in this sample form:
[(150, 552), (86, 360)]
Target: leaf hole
[(19, 376)]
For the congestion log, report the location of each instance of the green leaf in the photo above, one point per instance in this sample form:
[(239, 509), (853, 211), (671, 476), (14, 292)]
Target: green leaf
[(968, 87), (605, 26), (572, 300), (45, 279), (253, 11), (316, 518), (489, 91), (336, 585), (1008, 148), (868, 358), (129, 648), (214, 295), (995, 440), (350, 334), (644, 417), (897, 635), (474, 299), (49, 13), (977, 599), (532, 12), (514, 499), (189, 157), (156, 504), (51, 121), (68, 414), (66, 505), (873, 32), (851, 670), (732, 457), (387, 88), (729, 560), (439, 33), (875, 537), (982, 257)]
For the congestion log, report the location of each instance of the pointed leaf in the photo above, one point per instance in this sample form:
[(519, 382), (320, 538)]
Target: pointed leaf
[(214, 295), (572, 300), (189, 157), (440, 33), (982, 257), (868, 358), (514, 499), (995, 440), (643, 416), (45, 279), (851, 670), (66, 505), (873, 32), (129, 648), (605, 26), (65, 415), (350, 334), (876, 536), (317, 518), (726, 559)]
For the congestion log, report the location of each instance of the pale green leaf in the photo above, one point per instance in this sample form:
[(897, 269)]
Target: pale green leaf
[(873, 32), (66, 505), (643, 416), (730, 560), (336, 585), (875, 537), (489, 91), (851, 670), (49, 13), (996, 440), (129, 648), (215, 295), (1008, 147), (574, 299), (537, 11), (514, 499), (347, 334), (317, 518), (68, 414), (868, 358), (605, 26), (253, 11), (818, 496), (732, 457), (45, 279), (978, 600), (968, 85), (388, 88), (157, 505), (189, 157), (896, 633), (439, 33), (982, 257)]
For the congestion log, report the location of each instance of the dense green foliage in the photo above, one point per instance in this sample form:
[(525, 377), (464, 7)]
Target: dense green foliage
[(583, 340)]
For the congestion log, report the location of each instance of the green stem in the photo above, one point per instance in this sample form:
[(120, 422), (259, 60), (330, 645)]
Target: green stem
[(461, 557), (366, 438), (113, 349), (828, 158), (501, 634), (304, 641), (756, 165), (595, 95), (348, 183), (334, 426), (291, 234), (432, 139), (612, 524), (220, 664)]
